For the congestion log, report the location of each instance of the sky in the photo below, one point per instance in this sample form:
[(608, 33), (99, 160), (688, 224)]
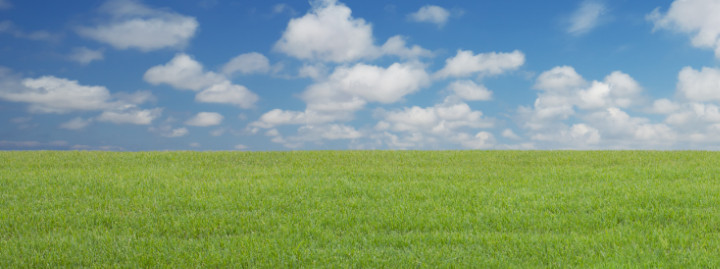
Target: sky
[(265, 75)]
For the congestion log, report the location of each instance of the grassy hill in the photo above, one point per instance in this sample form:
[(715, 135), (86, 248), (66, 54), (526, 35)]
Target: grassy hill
[(368, 209)]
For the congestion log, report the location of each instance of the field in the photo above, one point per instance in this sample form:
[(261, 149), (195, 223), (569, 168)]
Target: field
[(365, 209)]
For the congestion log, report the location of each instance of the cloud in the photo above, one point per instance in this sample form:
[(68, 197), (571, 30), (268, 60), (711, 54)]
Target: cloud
[(370, 83), (465, 63), (247, 63), (469, 90), (441, 119), (131, 116), (559, 79), (84, 55), (586, 17), (329, 33), (434, 127), (76, 124), (396, 45), (431, 14), (49, 94), (184, 73), (10, 28), (699, 85), (507, 133), (133, 25), (204, 119), (227, 93), (697, 18)]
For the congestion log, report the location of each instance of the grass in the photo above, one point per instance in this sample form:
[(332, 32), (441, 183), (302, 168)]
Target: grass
[(367, 209)]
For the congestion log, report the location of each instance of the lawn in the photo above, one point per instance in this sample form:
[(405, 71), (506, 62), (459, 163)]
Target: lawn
[(364, 209)]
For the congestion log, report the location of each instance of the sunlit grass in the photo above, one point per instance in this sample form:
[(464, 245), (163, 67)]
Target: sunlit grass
[(368, 209)]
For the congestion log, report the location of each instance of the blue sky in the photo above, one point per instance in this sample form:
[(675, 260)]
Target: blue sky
[(295, 75)]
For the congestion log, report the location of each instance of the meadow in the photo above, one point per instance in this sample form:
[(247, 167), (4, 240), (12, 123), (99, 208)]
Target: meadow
[(361, 209)]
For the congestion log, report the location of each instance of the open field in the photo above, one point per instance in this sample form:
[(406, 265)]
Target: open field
[(369, 209)]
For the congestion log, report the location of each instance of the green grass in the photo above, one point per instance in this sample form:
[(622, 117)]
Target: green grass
[(366, 209)]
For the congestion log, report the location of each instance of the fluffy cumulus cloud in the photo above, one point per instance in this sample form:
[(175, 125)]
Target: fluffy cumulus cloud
[(328, 32), (699, 85), (431, 14), (50, 94), (570, 112), (562, 90), (184, 73), (85, 55), (370, 83), (424, 127), (132, 25), (697, 18), (586, 17), (465, 63), (131, 116), (228, 93), (247, 63), (469, 90), (204, 119)]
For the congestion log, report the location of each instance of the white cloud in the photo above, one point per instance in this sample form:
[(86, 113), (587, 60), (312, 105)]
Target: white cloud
[(698, 18), (76, 124), (205, 119), (329, 132), (50, 94), (247, 63), (618, 89), (313, 71), (227, 93), (469, 90), (559, 79), (396, 45), (702, 85), (84, 55), (481, 140), (444, 118), (133, 25), (131, 116), (507, 133), (371, 83), (577, 136), (178, 132), (328, 32), (182, 72), (465, 63), (431, 14), (586, 17), (663, 106)]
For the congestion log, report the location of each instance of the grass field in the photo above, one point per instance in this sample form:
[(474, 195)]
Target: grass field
[(366, 209)]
